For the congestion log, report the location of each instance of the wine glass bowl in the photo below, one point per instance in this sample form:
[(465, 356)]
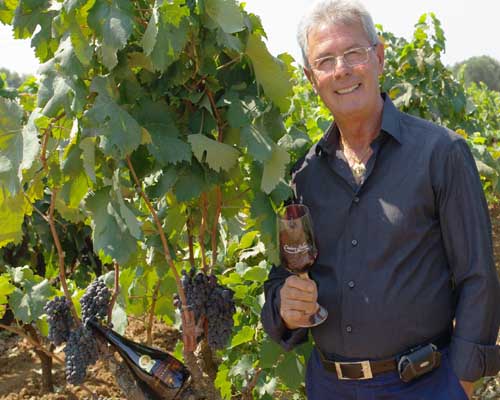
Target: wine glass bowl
[(298, 251)]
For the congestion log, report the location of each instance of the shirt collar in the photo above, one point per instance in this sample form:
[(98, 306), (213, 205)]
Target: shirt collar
[(390, 125)]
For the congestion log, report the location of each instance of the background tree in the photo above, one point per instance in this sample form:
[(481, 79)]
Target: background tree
[(480, 69)]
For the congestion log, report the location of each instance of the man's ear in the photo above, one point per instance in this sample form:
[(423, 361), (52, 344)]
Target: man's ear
[(310, 78)]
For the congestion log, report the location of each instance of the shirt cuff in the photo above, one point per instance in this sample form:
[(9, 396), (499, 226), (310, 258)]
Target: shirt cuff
[(471, 361)]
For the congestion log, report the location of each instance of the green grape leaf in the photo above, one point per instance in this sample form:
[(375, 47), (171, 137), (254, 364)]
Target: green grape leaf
[(247, 239), (274, 169), (223, 383), (12, 211), (166, 35), (27, 304), (7, 9), (119, 318), (245, 335), (243, 366), (167, 148), (11, 145), (218, 155), (256, 274), (6, 288), (291, 370), (270, 73), (114, 22), (109, 232), (190, 183), (258, 143), (226, 13), (269, 353), (121, 133), (87, 145), (80, 42)]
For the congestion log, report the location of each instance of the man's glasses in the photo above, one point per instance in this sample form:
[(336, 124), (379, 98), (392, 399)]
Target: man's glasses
[(350, 58)]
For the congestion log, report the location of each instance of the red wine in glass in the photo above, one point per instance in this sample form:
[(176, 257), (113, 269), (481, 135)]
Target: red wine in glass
[(298, 250)]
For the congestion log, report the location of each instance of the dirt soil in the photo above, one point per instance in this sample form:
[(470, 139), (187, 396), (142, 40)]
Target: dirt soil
[(20, 372)]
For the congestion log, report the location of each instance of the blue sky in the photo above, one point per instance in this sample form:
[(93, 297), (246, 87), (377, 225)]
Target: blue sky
[(471, 27)]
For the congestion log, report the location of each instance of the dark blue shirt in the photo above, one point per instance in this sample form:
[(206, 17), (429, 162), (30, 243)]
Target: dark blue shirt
[(403, 254)]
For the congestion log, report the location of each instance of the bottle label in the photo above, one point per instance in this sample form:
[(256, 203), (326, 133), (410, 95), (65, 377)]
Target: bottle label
[(146, 363)]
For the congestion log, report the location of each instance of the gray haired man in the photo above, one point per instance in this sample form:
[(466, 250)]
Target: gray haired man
[(405, 266)]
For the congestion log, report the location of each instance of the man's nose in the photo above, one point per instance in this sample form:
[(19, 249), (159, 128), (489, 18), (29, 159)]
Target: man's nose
[(341, 68)]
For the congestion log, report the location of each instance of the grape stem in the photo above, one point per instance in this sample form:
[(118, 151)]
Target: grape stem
[(43, 157), (116, 290), (189, 227), (149, 338), (218, 208), (187, 315), (247, 392), (60, 252), (201, 236)]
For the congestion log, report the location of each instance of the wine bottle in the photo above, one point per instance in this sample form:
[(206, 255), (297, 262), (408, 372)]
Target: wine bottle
[(160, 374)]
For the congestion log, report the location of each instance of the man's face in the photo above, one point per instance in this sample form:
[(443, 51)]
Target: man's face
[(348, 92)]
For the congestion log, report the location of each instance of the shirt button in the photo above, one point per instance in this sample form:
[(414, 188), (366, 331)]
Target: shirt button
[(356, 199), (351, 284), (348, 329), (354, 242)]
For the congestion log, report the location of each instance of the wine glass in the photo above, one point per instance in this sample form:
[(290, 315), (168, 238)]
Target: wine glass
[(298, 250)]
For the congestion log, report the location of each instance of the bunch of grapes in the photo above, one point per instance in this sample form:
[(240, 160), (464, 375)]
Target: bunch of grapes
[(210, 300), (220, 311), (81, 351), (59, 318), (95, 301)]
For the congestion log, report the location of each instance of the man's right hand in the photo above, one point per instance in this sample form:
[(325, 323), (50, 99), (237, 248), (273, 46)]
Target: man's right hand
[(298, 301)]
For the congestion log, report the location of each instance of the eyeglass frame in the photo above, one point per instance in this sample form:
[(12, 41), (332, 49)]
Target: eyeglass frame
[(366, 49)]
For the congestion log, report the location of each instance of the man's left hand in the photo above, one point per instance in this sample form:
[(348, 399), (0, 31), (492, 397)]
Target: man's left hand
[(468, 388)]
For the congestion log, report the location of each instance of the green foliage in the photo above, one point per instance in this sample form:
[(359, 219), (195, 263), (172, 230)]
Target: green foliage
[(187, 93), (483, 69)]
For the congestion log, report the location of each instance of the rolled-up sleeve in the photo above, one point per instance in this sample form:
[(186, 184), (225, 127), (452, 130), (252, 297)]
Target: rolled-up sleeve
[(270, 315), (466, 232)]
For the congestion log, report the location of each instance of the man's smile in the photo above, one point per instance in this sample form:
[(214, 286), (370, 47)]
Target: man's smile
[(348, 90)]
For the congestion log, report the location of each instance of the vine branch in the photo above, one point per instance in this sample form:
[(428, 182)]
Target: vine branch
[(187, 315), (116, 290), (189, 227), (218, 208), (60, 252), (33, 342), (149, 337), (201, 236), (45, 141)]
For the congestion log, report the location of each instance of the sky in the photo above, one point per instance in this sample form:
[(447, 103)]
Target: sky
[(471, 27)]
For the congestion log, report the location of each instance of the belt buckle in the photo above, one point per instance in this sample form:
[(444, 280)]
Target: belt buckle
[(366, 369)]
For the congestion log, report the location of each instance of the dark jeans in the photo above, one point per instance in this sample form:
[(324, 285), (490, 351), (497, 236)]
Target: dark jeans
[(440, 384)]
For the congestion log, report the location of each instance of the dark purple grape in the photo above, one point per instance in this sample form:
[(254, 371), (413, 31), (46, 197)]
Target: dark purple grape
[(59, 319), (95, 301), (81, 351)]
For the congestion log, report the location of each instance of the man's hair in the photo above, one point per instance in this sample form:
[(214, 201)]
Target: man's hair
[(333, 12)]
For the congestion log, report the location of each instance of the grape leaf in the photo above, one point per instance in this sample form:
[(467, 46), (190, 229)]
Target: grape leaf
[(114, 22), (226, 13), (11, 145), (291, 370), (27, 304), (258, 143), (87, 145), (12, 211), (121, 132), (165, 37), (270, 73), (274, 169), (223, 383), (6, 288), (218, 155), (110, 233), (245, 335)]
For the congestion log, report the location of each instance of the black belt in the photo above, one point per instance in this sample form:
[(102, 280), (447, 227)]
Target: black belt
[(368, 369)]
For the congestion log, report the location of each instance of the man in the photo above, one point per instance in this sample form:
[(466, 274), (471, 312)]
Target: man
[(405, 266)]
